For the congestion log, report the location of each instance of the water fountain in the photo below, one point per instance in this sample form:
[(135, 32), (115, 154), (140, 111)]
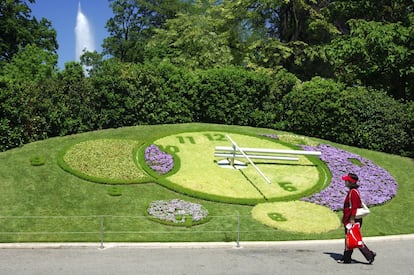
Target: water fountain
[(83, 33)]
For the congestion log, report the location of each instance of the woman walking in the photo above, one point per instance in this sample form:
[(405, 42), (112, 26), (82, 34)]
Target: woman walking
[(351, 204)]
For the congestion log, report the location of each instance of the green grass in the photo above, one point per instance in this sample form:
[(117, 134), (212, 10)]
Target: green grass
[(55, 205)]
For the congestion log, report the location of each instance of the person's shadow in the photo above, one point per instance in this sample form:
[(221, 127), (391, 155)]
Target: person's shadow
[(337, 256)]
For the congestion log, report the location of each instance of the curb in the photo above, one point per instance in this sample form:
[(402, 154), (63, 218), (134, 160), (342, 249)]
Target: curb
[(202, 245)]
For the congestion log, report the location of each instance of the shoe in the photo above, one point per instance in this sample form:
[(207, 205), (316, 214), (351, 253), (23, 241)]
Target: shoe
[(373, 258), (341, 261)]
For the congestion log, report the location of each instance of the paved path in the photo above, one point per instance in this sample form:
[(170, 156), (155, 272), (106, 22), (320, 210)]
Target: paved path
[(395, 256)]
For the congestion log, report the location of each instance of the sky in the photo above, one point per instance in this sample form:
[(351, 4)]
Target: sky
[(63, 15)]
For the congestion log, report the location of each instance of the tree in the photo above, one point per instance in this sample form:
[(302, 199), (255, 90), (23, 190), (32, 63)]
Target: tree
[(70, 104), (272, 33), (30, 64), (19, 29), (376, 54), (133, 24), (91, 61), (195, 40), (293, 20), (387, 11)]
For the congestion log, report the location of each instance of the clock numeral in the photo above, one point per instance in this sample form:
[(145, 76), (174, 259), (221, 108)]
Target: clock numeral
[(216, 137), (277, 217), (183, 140), (288, 186), (170, 149)]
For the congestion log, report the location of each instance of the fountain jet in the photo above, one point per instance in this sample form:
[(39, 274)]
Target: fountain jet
[(83, 33)]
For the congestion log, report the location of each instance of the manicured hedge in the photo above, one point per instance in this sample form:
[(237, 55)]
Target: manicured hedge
[(349, 115), (122, 94), (133, 94), (233, 95)]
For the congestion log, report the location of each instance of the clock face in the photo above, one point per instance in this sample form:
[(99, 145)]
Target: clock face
[(202, 174)]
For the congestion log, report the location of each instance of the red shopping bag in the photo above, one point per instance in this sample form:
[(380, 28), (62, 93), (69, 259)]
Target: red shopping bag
[(354, 237)]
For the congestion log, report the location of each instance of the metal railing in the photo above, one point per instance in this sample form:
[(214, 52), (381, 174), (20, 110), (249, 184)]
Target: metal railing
[(110, 228)]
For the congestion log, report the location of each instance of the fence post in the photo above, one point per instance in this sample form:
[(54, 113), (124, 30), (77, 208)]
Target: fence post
[(238, 231), (102, 232)]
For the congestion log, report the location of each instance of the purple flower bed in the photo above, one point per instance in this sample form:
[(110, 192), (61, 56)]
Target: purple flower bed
[(159, 161), (175, 210), (376, 184)]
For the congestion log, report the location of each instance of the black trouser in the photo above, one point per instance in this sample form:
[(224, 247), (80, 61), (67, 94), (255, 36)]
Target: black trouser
[(368, 254)]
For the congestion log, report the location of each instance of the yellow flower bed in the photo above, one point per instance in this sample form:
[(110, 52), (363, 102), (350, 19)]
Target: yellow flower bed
[(296, 216), (104, 158)]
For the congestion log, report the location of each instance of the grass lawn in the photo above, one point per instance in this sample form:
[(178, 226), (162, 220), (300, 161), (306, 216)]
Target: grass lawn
[(46, 203)]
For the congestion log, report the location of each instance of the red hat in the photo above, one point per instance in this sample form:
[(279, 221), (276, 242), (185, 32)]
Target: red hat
[(351, 177)]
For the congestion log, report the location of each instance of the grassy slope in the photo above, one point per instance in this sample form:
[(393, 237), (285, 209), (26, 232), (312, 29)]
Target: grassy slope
[(47, 190)]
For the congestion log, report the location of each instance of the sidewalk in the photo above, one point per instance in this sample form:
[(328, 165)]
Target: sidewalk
[(394, 256)]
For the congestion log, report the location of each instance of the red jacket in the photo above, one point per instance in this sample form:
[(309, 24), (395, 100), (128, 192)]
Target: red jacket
[(351, 203)]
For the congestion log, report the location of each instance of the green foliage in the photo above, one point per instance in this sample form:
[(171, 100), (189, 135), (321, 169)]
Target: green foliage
[(131, 94), (376, 122), (21, 117), (91, 61), (121, 94), (390, 11), (233, 95), (68, 102), (349, 115), (303, 21), (268, 53), (176, 94), (225, 96), (22, 114), (409, 107), (194, 40), (376, 55), (296, 35), (133, 25), (19, 29), (30, 64)]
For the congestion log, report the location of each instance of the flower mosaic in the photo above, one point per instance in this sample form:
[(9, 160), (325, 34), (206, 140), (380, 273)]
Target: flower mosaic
[(376, 185), (176, 210), (159, 161)]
